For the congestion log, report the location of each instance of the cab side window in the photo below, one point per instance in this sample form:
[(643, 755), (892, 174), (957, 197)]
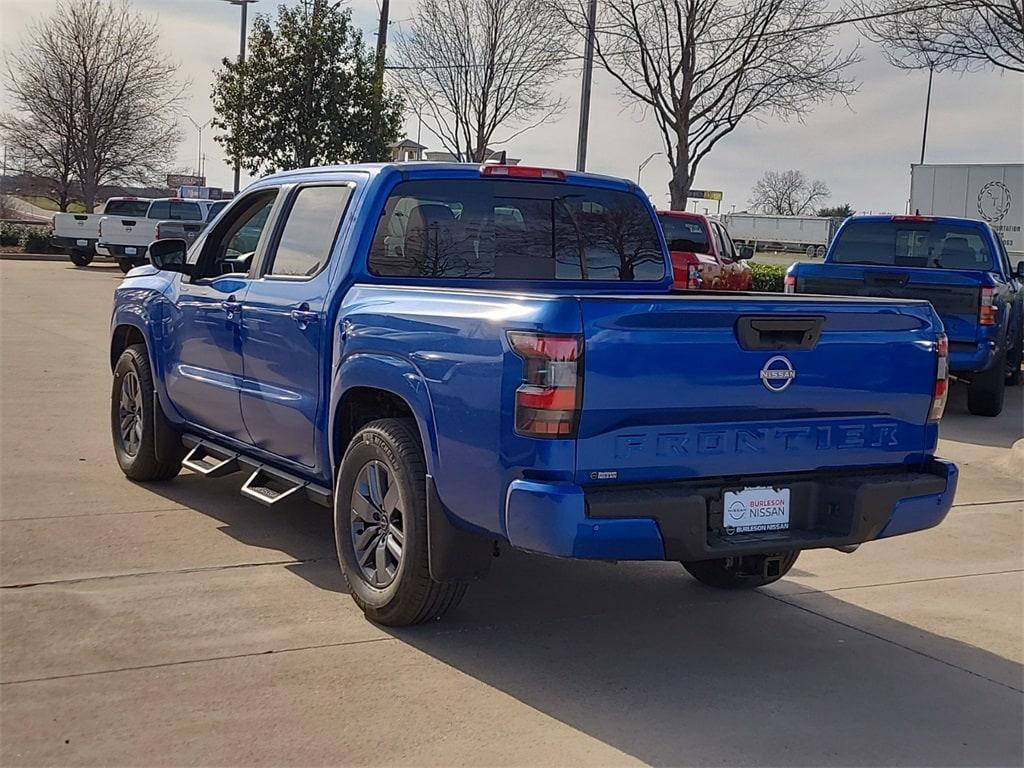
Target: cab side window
[(309, 231), (231, 246), (728, 249)]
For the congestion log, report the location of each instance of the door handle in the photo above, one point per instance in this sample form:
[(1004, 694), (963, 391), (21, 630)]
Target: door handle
[(230, 306), (304, 315)]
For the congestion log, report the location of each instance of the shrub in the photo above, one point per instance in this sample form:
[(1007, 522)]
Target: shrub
[(10, 234), (768, 277), (36, 240)]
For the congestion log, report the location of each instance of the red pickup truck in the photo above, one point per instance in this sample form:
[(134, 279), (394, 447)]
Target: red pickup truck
[(703, 254)]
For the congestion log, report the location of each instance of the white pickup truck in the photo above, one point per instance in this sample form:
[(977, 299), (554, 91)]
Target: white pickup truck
[(126, 239), (76, 233)]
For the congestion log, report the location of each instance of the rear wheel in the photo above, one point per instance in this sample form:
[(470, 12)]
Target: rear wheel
[(133, 416), (125, 265), (987, 389), (1014, 375), (742, 572), (380, 527), (81, 258)]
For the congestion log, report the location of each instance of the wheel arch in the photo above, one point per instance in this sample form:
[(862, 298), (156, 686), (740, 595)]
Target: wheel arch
[(122, 336), (370, 387)]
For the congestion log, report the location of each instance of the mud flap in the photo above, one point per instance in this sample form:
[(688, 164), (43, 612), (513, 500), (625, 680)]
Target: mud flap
[(167, 443), (453, 554)]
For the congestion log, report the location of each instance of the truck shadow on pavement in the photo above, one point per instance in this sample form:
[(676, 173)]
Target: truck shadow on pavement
[(1001, 431), (648, 661), (642, 658)]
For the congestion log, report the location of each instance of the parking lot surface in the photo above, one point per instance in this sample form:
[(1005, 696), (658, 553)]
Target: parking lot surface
[(181, 624)]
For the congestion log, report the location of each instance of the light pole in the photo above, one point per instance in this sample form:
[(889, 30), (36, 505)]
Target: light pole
[(199, 128), (927, 107), (644, 165), (588, 75), (244, 4)]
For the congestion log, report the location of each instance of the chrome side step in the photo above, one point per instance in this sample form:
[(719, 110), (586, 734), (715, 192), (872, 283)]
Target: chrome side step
[(267, 485), (269, 488), (209, 461)]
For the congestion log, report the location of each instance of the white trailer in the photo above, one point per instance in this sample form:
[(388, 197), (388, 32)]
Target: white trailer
[(807, 234), (992, 193)]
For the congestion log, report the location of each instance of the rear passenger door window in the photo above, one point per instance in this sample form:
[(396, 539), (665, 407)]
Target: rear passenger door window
[(309, 231)]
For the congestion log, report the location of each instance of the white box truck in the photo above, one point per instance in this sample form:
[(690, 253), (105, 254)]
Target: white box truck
[(804, 234), (992, 193)]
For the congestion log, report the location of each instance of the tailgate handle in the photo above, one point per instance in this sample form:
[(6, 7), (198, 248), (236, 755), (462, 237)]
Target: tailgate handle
[(772, 333), (897, 280)]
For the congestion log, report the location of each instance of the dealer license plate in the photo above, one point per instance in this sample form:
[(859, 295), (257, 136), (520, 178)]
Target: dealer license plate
[(81, 242), (756, 509), (129, 251)]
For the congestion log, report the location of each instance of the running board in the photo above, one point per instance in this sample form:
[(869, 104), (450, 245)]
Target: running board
[(209, 461), (269, 488), (267, 485)]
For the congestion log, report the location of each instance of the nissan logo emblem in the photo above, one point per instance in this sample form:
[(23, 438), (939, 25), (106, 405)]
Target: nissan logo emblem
[(777, 374)]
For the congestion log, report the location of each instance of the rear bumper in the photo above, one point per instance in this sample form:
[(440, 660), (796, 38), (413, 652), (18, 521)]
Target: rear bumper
[(70, 244), (683, 521), (971, 357), (118, 251)]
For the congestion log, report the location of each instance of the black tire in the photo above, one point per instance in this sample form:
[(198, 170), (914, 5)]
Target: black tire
[(139, 461), (987, 389), (81, 258), (125, 265), (410, 596), (740, 572), (1014, 375)]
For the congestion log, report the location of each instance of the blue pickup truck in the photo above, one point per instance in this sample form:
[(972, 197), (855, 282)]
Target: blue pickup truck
[(457, 358), (959, 265)]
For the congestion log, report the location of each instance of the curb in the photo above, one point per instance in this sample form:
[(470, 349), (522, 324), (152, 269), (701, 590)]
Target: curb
[(34, 257)]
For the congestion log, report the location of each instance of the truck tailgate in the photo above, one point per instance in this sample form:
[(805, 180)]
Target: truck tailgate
[(955, 295), (697, 386)]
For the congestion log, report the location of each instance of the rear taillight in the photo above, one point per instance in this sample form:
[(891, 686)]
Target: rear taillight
[(693, 278), (548, 400), (987, 310), (941, 378), (101, 229), (789, 284), (156, 232)]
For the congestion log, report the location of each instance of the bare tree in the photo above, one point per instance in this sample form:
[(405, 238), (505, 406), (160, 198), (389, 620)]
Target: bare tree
[(950, 35), (91, 75), (47, 154), (475, 67), (702, 67), (787, 193)]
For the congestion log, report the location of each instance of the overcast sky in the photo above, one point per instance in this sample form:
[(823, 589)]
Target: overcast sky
[(862, 150)]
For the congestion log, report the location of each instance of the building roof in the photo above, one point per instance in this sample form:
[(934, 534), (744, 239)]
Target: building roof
[(406, 144)]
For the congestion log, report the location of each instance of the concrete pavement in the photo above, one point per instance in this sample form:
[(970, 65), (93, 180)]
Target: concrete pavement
[(180, 624)]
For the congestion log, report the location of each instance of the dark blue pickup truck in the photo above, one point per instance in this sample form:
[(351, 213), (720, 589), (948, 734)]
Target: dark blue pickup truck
[(459, 358), (959, 265)]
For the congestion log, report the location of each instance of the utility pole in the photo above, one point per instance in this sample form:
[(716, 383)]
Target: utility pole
[(244, 4), (588, 75), (644, 165), (927, 107), (378, 75)]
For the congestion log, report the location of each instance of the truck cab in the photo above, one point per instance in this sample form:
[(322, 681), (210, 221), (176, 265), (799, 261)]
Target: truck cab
[(959, 265)]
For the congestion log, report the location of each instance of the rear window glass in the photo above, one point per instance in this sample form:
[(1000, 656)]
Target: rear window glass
[(215, 209), (912, 244), (126, 207), (684, 234), (515, 230)]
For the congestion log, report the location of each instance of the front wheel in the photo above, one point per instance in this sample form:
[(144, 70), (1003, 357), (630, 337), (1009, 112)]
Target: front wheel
[(133, 421), (81, 258), (380, 527), (743, 572)]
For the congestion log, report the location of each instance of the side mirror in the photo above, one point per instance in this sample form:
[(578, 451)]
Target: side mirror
[(746, 251), (1020, 270), (169, 255)]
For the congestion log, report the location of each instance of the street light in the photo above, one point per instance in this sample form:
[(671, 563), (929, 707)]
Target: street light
[(644, 165), (241, 60), (199, 128)]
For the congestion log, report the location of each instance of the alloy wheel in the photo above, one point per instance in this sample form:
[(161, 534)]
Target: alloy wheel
[(129, 413), (378, 524)]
